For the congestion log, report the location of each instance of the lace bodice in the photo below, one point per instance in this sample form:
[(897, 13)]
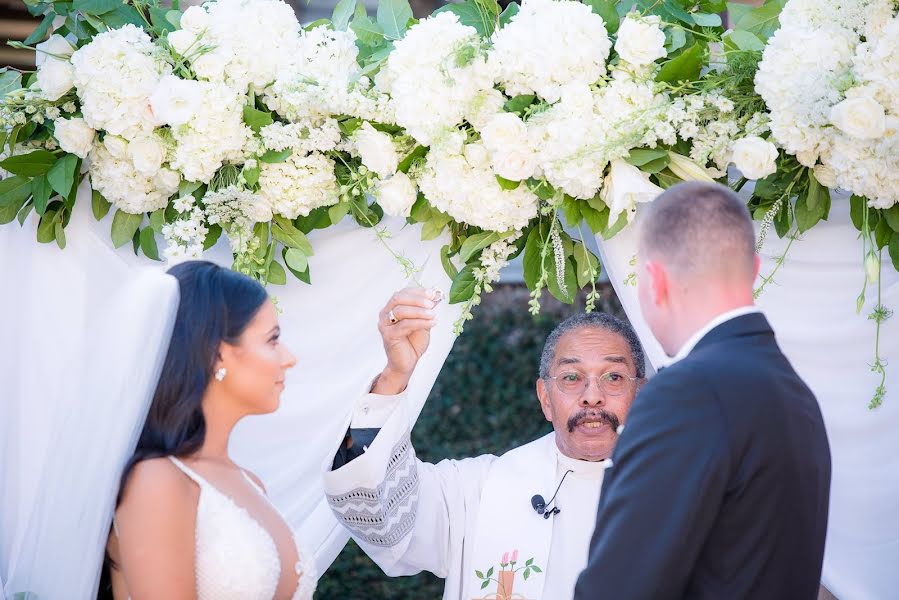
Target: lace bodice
[(235, 556)]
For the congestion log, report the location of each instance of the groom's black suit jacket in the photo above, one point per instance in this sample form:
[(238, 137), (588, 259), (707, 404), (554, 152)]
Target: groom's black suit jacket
[(720, 481)]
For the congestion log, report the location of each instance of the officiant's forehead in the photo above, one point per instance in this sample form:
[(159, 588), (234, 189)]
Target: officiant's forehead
[(588, 345)]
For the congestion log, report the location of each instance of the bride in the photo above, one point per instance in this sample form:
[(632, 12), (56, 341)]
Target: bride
[(189, 522)]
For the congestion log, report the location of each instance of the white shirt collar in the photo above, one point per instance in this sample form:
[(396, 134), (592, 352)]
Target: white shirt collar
[(722, 318)]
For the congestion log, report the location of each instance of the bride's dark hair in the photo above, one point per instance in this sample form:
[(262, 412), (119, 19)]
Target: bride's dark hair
[(216, 306)]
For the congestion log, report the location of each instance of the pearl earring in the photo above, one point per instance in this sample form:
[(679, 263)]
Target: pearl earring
[(220, 374)]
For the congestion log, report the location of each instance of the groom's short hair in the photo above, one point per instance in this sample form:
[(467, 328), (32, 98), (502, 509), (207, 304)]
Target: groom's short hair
[(593, 320), (699, 228)]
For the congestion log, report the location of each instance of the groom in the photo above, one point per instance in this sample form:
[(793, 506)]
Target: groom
[(720, 481), (491, 526)]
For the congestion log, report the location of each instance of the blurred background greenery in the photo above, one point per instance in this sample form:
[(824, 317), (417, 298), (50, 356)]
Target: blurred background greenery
[(482, 402)]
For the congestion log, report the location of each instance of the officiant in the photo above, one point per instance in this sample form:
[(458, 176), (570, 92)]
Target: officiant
[(491, 526)]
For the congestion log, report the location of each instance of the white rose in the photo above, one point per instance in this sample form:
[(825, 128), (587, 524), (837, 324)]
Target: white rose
[(754, 157), (376, 150), (476, 155), (167, 180), (506, 138), (176, 101), (397, 195), (807, 158), (74, 136), (56, 46), (859, 117), (640, 40), (54, 78), (116, 146), (624, 186), (195, 20), (211, 66), (147, 154), (826, 176), (182, 40)]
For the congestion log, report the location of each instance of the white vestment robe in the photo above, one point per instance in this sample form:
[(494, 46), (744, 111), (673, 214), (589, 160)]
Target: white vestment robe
[(470, 521)]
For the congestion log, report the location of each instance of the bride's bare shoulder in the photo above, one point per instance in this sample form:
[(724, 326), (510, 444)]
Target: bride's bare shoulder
[(157, 481)]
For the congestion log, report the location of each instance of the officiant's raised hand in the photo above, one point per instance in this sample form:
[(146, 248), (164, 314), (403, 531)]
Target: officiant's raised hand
[(405, 324)]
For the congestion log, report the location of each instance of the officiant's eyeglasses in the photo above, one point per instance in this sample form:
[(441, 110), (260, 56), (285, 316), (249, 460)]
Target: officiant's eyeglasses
[(574, 383)]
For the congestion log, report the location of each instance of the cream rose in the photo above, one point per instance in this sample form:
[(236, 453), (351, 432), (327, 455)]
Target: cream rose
[(74, 136), (862, 118), (640, 40), (175, 101), (754, 157), (182, 40), (506, 138), (194, 20), (624, 187), (397, 195), (826, 176), (376, 149), (167, 181), (147, 154), (116, 146)]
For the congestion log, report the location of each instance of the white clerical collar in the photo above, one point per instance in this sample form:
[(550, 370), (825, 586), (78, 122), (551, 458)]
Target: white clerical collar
[(584, 469), (719, 320)]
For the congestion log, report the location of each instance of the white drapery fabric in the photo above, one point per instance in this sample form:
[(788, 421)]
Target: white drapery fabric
[(84, 335), (811, 307)]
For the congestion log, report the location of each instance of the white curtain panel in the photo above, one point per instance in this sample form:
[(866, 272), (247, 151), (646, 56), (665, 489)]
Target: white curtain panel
[(84, 333), (812, 308)]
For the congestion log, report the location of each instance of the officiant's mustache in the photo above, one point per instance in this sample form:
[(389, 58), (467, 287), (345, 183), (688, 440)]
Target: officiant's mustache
[(597, 414)]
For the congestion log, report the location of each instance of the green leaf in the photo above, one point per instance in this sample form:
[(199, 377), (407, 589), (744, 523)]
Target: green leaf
[(8, 212), (685, 66), (641, 156), (432, 229), (883, 233), (571, 209), (806, 217), (124, 226), (9, 82), (743, 40), (31, 164), (40, 190), (447, 263), (96, 7), (490, 572), (296, 260), (566, 295), (706, 20), (406, 163), (24, 212), (536, 569), (14, 190), (157, 220), (529, 562), (212, 236), (99, 205), (783, 220), (585, 261), (46, 229), (597, 220), (123, 15), (479, 574), (273, 157), (475, 243), (507, 184), (276, 274), (160, 20), (62, 174), (675, 39), (613, 230), (342, 14), (891, 215), (463, 286), (894, 251), (506, 16), (472, 15), (301, 275), (367, 31), (337, 212), (519, 103), (857, 211), (531, 260), (257, 119), (606, 10), (285, 232), (41, 31), (485, 584), (673, 9), (393, 16), (527, 573), (148, 243), (762, 21)]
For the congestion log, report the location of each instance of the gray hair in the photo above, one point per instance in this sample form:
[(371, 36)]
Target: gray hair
[(595, 320), (699, 228)]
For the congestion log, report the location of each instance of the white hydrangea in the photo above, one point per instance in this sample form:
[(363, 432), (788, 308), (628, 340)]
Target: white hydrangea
[(184, 237), (302, 136), (433, 76), (299, 184), (113, 174), (830, 78), (115, 74), (213, 136), (550, 44), (463, 185), (251, 41)]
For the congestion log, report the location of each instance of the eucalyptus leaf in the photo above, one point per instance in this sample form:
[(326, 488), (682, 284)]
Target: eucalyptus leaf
[(41, 31), (303, 276), (285, 232), (62, 174), (41, 192), (32, 164), (367, 31), (99, 205), (741, 39), (606, 10), (276, 274), (392, 17), (463, 286), (9, 81), (675, 39), (296, 260), (706, 19), (14, 190), (148, 243), (46, 228), (124, 226), (343, 12), (762, 21)]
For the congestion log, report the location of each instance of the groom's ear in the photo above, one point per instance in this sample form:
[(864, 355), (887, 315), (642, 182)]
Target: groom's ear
[(658, 281)]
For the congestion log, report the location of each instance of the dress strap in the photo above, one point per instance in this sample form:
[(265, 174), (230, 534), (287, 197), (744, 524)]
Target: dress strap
[(253, 483), (189, 472)]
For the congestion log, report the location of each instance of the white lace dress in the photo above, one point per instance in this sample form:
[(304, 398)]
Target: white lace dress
[(236, 557)]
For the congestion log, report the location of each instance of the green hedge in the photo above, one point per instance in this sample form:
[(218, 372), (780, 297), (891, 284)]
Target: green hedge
[(483, 401)]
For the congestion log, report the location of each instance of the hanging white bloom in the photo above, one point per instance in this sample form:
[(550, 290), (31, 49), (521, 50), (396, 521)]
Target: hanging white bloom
[(396, 195), (754, 157), (640, 39), (376, 149), (55, 74), (624, 187), (74, 136)]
